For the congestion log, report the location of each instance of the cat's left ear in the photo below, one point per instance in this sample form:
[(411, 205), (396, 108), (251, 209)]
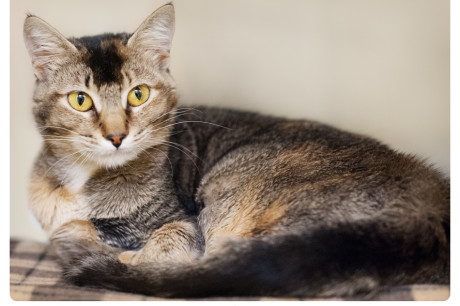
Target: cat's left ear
[(154, 36), (47, 48)]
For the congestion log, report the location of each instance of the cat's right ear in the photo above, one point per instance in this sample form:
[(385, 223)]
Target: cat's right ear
[(47, 47), (154, 36)]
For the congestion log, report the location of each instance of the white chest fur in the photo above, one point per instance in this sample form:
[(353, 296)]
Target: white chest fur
[(54, 205), (76, 176)]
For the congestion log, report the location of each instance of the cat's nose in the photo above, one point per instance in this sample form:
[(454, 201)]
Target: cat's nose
[(116, 139)]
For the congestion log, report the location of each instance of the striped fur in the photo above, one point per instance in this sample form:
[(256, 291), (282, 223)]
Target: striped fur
[(197, 202)]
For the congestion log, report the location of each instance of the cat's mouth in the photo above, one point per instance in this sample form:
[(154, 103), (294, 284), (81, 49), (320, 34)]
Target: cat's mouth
[(116, 158), (111, 156)]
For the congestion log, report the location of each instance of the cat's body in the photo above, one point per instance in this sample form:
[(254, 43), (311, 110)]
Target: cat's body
[(211, 202)]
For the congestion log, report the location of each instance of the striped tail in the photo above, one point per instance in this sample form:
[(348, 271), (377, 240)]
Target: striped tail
[(347, 260)]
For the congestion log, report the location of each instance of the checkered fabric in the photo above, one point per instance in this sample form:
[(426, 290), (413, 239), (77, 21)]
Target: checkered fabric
[(35, 275)]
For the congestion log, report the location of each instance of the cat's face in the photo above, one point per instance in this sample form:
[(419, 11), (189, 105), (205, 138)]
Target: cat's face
[(105, 98)]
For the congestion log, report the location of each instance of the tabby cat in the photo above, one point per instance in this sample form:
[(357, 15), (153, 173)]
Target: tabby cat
[(142, 196)]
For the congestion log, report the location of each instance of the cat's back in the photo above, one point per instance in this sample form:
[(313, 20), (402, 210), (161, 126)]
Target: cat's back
[(215, 132), (218, 137), (299, 167)]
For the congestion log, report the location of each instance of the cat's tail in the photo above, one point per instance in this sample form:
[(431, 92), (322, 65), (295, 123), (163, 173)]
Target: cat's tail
[(349, 259)]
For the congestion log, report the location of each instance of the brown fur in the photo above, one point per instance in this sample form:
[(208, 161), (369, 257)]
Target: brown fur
[(170, 243), (205, 201), (54, 205), (78, 229), (269, 218)]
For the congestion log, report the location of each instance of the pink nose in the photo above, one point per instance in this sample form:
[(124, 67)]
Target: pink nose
[(116, 139)]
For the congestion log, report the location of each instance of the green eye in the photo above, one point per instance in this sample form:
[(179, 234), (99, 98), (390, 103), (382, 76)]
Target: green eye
[(80, 101), (138, 95)]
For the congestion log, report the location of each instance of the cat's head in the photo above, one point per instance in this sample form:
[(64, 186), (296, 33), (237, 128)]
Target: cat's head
[(105, 98)]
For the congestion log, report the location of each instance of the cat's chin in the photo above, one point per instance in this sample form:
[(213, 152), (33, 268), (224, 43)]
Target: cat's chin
[(114, 160)]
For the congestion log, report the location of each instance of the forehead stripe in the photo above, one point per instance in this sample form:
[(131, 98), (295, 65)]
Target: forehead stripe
[(105, 61), (103, 56)]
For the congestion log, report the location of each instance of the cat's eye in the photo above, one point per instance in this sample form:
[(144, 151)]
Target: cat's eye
[(80, 101), (138, 95)]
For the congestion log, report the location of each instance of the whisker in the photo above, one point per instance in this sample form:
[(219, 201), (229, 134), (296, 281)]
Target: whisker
[(162, 115), (146, 132), (44, 127), (62, 159), (78, 158), (162, 152), (88, 156), (173, 145), (181, 122), (190, 108), (60, 139), (150, 129), (57, 136), (63, 180), (177, 115), (176, 132), (184, 147), (166, 120), (191, 159)]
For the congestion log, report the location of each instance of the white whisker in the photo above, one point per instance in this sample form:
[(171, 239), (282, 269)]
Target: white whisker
[(44, 127), (65, 157), (181, 122), (183, 147), (191, 159), (176, 115), (164, 153)]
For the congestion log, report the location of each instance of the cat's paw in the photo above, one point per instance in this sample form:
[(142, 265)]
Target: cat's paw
[(76, 230), (172, 243), (149, 256), (143, 256), (128, 257), (74, 240)]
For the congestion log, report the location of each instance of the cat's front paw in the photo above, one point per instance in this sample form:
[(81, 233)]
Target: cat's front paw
[(74, 240), (172, 243), (150, 255), (129, 257)]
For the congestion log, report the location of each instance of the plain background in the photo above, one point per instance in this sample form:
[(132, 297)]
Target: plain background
[(375, 67)]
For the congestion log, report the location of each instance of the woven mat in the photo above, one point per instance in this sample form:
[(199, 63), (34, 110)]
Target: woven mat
[(35, 275)]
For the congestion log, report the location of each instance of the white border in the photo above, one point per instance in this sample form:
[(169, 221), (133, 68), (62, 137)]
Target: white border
[(5, 128)]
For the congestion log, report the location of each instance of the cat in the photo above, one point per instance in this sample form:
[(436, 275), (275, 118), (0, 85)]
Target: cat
[(140, 195)]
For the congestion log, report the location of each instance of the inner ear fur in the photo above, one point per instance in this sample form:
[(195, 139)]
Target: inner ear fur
[(47, 47), (154, 36)]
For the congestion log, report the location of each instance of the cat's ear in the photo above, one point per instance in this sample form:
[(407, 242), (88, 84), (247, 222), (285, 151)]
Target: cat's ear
[(154, 36), (47, 48)]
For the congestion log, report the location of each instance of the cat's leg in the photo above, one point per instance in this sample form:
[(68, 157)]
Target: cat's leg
[(178, 241), (78, 238)]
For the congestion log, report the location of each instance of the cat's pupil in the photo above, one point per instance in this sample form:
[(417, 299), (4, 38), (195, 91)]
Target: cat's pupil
[(138, 93), (80, 98)]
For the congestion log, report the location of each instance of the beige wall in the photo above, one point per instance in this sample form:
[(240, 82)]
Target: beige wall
[(377, 67)]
